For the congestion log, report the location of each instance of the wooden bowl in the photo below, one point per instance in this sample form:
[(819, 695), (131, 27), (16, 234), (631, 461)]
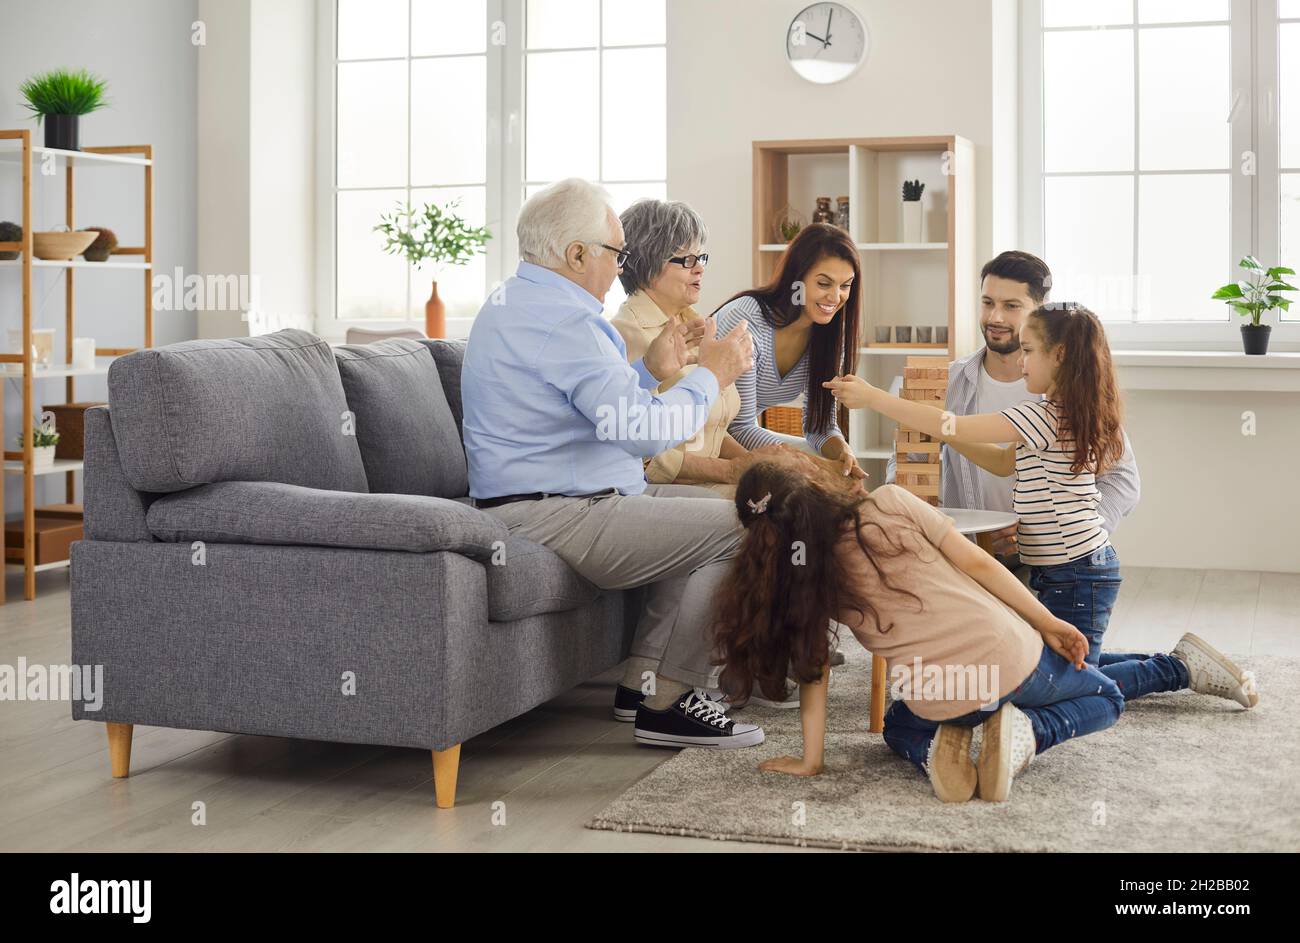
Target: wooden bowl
[(61, 246)]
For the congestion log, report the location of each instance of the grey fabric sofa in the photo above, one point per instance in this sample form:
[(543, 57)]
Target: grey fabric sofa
[(278, 542)]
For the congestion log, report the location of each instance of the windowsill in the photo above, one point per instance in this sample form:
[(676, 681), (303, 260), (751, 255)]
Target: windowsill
[(1228, 370)]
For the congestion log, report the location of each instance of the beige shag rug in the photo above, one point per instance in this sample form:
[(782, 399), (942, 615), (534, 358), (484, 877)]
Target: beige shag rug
[(1180, 772)]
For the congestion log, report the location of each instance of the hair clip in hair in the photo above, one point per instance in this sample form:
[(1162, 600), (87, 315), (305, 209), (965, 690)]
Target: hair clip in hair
[(758, 507)]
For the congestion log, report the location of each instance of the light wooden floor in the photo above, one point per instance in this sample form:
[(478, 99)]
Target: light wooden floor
[(552, 769)]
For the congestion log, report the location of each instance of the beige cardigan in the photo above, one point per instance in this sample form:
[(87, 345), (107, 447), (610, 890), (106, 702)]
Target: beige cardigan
[(639, 321)]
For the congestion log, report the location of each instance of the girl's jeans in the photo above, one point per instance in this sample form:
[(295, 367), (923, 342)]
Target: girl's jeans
[(1060, 701), (1083, 593)]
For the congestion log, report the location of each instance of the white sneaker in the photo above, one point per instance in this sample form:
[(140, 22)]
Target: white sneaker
[(1210, 672), (1008, 747), (949, 766), (791, 699)]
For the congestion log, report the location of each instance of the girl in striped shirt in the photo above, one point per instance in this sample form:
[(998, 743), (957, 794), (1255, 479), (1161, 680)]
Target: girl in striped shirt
[(1055, 448)]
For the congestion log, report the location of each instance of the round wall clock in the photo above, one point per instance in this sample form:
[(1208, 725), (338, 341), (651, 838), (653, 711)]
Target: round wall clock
[(826, 42)]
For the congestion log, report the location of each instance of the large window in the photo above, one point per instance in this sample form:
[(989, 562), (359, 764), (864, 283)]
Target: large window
[(1153, 135), (485, 102)]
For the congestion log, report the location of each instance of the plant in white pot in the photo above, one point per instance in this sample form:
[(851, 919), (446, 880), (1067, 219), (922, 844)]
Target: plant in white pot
[(1253, 296), (912, 211), (432, 234), (44, 439)]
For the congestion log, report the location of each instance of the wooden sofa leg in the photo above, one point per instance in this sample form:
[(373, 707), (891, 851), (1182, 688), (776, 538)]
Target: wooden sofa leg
[(119, 748), (446, 764)]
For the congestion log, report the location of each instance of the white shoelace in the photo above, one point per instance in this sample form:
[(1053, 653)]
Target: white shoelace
[(704, 709)]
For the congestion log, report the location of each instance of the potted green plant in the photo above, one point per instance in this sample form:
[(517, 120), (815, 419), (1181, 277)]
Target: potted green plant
[(1254, 295), (434, 235), (60, 97), (44, 439), (912, 212)]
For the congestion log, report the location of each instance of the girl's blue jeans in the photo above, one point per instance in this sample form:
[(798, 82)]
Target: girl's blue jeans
[(1083, 594), (1059, 700)]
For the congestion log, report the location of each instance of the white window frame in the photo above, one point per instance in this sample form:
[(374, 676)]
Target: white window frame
[(504, 156), (1254, 199), (505, 181)]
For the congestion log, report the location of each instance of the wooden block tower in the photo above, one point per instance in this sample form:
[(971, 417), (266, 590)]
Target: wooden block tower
[(925, 380)]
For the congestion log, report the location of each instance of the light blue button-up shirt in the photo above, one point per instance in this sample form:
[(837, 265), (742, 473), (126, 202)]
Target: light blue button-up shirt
[(551, 403)]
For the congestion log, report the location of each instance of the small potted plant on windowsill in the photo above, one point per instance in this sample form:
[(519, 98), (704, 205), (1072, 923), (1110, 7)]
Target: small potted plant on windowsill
[(432, 234), (60, 98), (44, 439), (1253, 296)]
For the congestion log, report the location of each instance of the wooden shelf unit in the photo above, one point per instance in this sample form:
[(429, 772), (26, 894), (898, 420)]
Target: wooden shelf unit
[(927, 283), (17, 145)]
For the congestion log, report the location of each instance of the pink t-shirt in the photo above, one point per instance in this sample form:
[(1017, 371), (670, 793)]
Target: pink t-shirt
[(972, 644)]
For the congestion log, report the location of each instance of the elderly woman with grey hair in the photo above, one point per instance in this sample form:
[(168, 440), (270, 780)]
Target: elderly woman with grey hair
[(662, 278)]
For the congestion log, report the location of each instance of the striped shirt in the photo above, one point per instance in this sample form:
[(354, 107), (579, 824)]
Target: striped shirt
[(1059, 521), (763, 386)]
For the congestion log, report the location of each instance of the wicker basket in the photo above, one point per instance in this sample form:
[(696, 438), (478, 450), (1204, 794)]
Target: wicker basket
[(785, 419), (70, 423), (61, 246)]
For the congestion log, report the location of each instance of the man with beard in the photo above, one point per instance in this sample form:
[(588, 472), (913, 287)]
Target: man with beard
[(990, 380)]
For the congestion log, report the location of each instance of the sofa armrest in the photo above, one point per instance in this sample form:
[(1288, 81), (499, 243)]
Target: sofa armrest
[(256, 512)]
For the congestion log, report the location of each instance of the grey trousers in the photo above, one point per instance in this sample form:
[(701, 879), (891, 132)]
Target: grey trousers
[(678, 540)]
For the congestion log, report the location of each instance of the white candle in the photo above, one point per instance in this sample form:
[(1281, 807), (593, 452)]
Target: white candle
[(83, 353)]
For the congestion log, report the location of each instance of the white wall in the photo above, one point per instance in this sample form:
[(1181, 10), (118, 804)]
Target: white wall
[(929, 71), (1213, 498), (256, 106), (143, 49)]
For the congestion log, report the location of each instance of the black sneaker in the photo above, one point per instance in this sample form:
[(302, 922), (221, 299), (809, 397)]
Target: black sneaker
[(693, 721), (627, 700)]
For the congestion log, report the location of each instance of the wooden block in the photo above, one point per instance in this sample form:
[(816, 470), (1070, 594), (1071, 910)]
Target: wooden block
[(933, 363), (925, 491), (926, 383), (918, 468)]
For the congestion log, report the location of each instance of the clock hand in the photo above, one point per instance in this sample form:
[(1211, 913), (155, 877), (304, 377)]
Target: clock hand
[(811, 36), (830, 13)]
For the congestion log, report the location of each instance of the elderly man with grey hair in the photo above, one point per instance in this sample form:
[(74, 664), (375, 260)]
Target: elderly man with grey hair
[(662, 278), (556, 425)]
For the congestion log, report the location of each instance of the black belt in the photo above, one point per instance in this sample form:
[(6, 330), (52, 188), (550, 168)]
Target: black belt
[(535, 496)]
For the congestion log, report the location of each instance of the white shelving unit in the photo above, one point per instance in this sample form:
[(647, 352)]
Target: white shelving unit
[(77, 263), (37, 162)]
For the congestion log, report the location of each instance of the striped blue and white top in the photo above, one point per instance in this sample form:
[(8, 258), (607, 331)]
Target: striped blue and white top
[(763, 385), (1059, 521)]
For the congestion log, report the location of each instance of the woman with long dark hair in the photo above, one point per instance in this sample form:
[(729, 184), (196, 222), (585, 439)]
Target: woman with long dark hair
[(804, 324)]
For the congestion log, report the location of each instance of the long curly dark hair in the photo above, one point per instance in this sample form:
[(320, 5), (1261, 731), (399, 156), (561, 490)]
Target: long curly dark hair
[(787, 583), (1085, 386), (833, 348)]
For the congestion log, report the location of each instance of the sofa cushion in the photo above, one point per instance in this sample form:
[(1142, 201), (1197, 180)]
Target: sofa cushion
[(409, 441), (450, 356), (266, 408), (526, 579), (113, 510), (251, 512)]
